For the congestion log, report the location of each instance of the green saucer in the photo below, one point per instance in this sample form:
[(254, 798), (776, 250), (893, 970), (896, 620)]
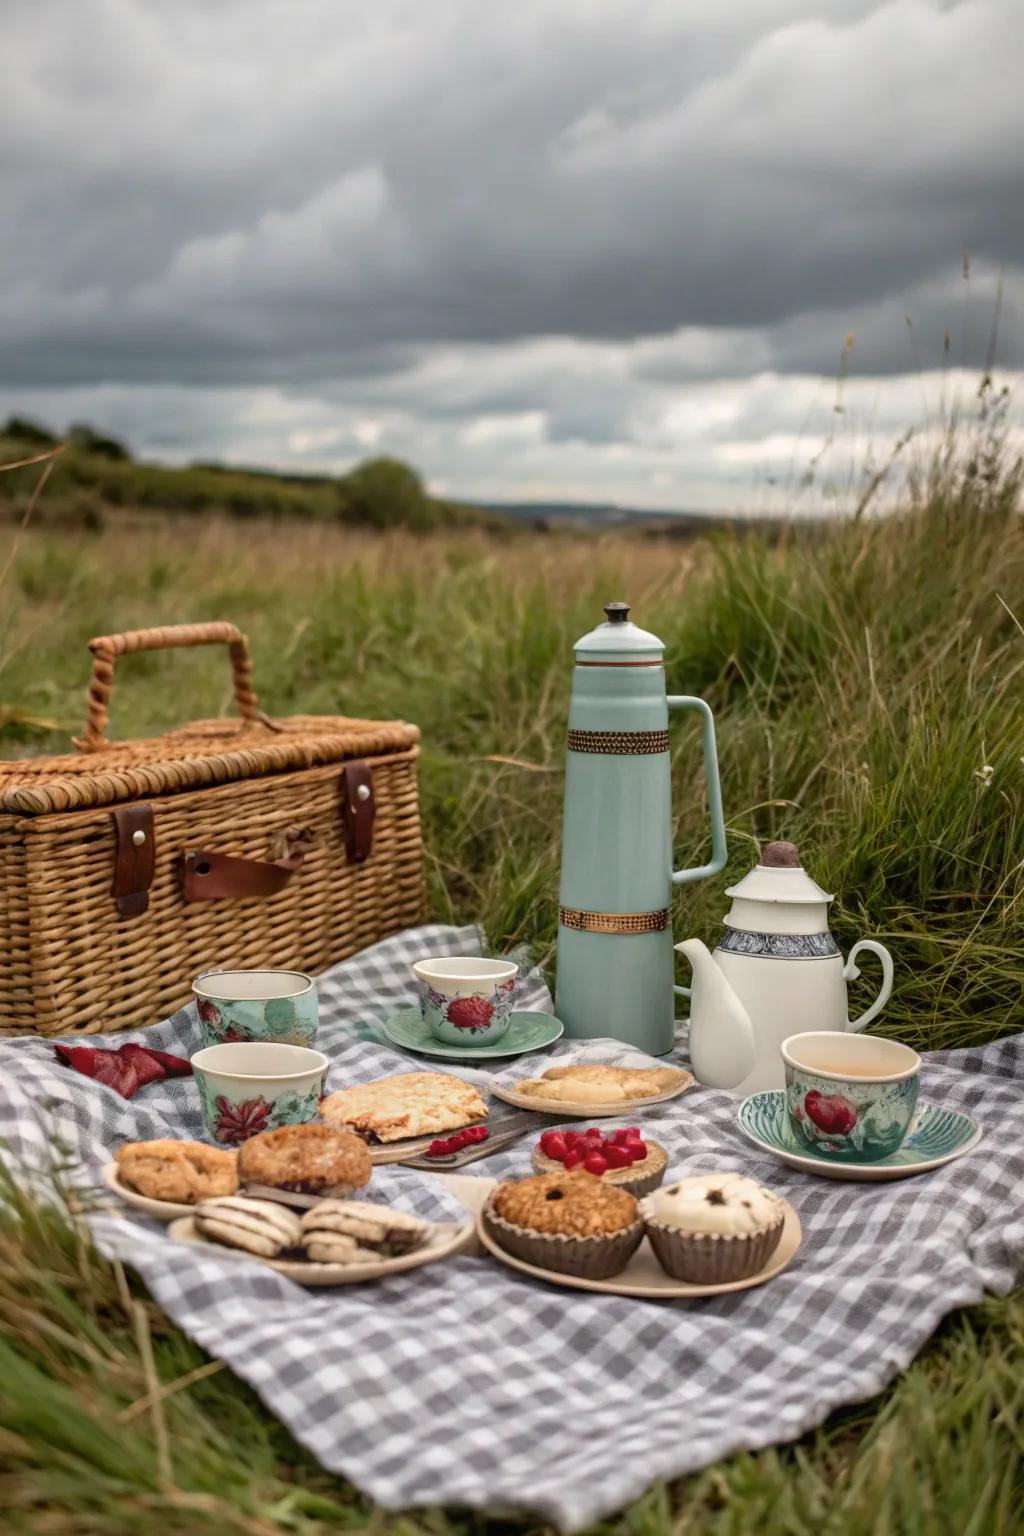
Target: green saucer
[(527, 1032), (936, 1136)]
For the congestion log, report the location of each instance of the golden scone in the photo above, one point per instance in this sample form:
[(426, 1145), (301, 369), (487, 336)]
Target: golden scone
[(184, 1172), (631, 1082), (308, 1159), (411, 1104)]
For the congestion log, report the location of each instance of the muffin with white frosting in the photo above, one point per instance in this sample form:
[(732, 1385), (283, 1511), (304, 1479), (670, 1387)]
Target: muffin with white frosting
[(713, 1228)]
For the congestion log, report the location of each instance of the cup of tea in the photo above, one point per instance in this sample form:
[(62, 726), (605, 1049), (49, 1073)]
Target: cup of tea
[(246, 1087), (256, 1005), (849, 1098), (467, 1001)]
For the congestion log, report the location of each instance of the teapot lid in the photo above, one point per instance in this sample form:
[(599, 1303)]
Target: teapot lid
[(779, 877), (618, 640)]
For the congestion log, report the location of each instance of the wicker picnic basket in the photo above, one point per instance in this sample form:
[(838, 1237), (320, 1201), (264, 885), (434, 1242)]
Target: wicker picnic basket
[(129, 867)]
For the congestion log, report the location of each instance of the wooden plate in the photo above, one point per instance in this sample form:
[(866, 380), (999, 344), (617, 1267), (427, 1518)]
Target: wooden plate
[(571, 1110), (446, 1238), (160, 1210), (643, 1275)]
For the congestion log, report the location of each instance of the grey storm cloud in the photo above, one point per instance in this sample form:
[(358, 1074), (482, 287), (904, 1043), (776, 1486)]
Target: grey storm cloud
[(454, 212)]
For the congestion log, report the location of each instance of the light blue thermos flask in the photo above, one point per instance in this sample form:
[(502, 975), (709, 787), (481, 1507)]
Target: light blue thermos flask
[(615, 958)]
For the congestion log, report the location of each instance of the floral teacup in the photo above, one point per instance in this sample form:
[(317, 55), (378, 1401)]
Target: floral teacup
[(256, 1005), (468, 1001), (849, 1098), (253, 1086)]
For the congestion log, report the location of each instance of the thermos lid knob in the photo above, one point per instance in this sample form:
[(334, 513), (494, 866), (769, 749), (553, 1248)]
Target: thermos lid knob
[(617, 613), (781, 856)]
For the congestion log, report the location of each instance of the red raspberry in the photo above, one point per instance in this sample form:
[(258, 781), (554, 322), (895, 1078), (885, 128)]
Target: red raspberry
[(618, 1157), (440, 1148), (596, 1163), (633, 1133), (637, 1151), (474, 1133), (573, 1158), (553, 1144), (593, 1133)]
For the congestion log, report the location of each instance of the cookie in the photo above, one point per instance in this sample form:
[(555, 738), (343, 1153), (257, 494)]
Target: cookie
[(334, 1248), (375, 1228), (181, 1171), (255, 1226), (307, 1159)]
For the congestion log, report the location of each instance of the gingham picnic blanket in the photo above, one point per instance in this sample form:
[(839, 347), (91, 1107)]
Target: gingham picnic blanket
[(466, 1383)]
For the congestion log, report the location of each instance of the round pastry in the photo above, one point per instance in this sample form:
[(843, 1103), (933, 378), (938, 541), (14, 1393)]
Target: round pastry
[(573, 1223), (256, 1226), (713, 1228), (353, 1231), (620, 1157), (183, 1171), (305, 1159)]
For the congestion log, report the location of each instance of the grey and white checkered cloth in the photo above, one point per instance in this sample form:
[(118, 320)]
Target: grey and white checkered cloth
[(465, 1383)]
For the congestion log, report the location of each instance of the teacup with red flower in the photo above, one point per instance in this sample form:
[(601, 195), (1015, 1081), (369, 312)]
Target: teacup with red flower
[(849, 1098), (467, 1001), (253, 1086)]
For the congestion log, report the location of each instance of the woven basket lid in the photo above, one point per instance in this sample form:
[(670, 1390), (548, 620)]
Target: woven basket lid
[(194, 756)]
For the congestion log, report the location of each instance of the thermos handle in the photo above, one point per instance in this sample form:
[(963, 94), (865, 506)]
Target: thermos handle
[(718, 849)]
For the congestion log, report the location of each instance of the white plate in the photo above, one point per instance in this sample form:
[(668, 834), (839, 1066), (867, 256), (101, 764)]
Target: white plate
[(573, 1110), (446, 1238), (643, 1276), (160, 1210)]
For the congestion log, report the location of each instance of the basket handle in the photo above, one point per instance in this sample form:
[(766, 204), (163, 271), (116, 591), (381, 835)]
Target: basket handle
[(105, 648)]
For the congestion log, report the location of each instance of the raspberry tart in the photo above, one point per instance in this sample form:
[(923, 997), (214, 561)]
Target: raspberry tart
[(713, 1228), (573, 1223), (621, 1157)]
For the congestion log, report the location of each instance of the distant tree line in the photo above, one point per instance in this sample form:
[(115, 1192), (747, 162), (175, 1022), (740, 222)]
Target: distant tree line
[(97, 472)]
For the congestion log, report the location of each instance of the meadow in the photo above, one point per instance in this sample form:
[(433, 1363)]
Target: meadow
[(868, 689)]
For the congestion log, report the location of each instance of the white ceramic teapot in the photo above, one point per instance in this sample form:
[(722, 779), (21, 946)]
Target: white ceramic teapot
[(777, 971)]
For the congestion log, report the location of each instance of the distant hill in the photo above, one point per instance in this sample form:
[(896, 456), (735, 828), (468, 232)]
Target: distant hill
[(601, 514), (95, 473)]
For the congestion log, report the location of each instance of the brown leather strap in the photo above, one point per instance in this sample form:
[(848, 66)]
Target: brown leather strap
[(208, 876), (133, 862), (358, 810)]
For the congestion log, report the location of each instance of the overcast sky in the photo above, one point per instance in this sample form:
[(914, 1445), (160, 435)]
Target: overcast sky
[(572, 249)]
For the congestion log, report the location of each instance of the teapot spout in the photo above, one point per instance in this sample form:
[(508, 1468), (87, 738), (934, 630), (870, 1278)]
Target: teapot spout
[(721, 1031)]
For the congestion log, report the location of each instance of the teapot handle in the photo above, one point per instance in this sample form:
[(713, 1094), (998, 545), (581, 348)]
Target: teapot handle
[(718, 848), (852, 971)]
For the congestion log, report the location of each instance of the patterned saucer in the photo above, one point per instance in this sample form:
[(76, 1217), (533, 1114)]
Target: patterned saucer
[(527, 1032), (936, 1136)]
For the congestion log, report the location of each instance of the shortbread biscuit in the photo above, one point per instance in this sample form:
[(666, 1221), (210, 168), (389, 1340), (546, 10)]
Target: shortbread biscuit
[(256, 1226), (384, 1231)]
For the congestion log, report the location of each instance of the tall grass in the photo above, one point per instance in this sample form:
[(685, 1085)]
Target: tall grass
[(868, 689)]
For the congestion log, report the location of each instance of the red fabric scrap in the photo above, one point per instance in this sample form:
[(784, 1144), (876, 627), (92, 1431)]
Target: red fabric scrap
[(126, 1069)]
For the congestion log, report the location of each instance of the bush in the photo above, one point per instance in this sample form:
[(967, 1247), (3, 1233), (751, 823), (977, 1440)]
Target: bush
[(382, 493), (87, 440), (25, 431)]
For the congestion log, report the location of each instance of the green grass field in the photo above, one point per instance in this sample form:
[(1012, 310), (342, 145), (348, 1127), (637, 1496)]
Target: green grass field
[(868, 688)]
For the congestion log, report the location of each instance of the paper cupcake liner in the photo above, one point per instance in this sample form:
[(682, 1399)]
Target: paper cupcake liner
[(710, 1258), (636, 1182), (588, 1258)]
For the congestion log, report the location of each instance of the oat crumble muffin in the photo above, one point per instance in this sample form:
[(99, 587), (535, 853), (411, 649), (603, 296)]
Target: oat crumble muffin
[(569, 1222)]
